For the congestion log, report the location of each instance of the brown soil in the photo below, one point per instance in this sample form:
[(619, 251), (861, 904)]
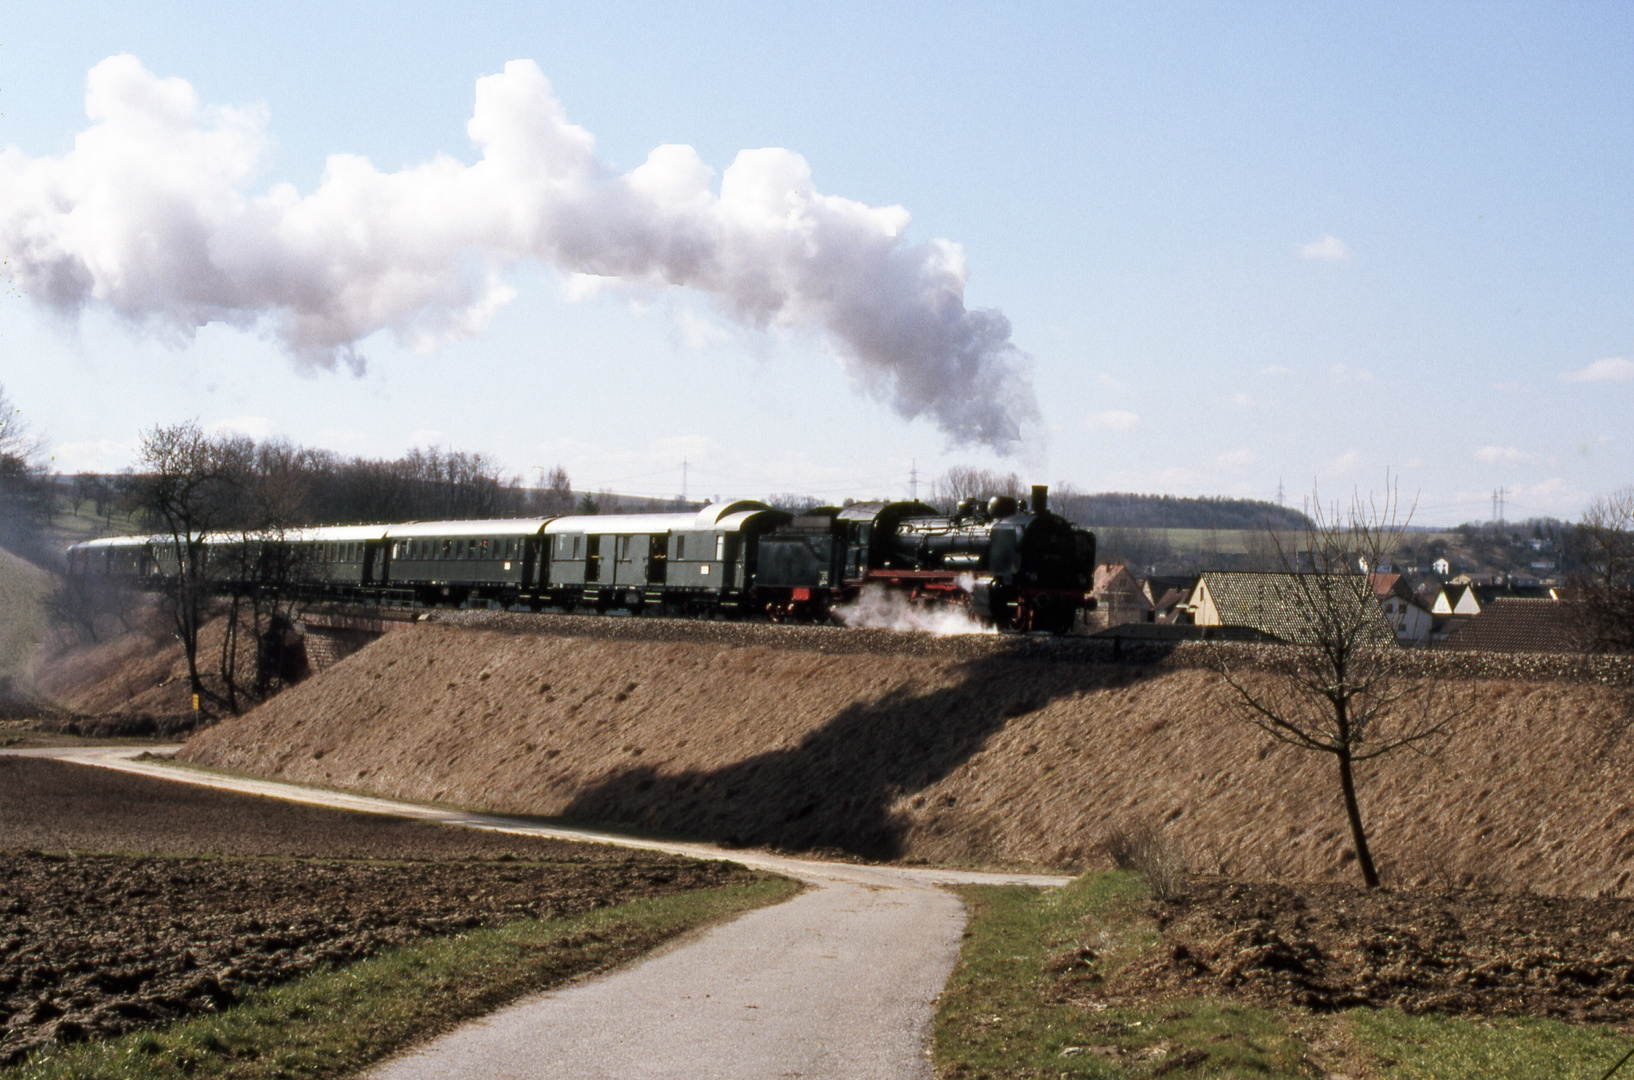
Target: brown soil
[(97, 944), (979, 751), (1336, 946), (137, 674)]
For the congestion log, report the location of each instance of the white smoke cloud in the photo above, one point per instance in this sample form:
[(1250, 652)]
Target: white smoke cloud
[(150, 216)]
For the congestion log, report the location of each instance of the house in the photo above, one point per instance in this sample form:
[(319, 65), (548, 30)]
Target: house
[(1456, 599), (1169, 596), (1442, 567), (1519, 624), (1411, 620), (1469, 596), (1275, 604), (1119, 598)]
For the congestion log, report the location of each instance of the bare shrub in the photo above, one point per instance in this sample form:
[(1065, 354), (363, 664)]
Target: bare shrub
[(1150, 851)]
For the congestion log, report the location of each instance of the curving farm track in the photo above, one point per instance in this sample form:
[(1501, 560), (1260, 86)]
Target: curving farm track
[(839, 982)]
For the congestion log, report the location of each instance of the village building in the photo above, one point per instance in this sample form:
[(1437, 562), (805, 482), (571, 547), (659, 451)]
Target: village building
[(1408, 617), (1520, 624), (1273, 604)]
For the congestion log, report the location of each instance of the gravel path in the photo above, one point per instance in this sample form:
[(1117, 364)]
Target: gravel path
[(839, 982)]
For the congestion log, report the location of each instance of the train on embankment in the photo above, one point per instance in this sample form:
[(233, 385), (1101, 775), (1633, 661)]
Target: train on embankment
[(1014, 565)]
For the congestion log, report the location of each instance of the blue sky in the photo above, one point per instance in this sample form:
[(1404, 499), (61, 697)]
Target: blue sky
[(1238, 245)]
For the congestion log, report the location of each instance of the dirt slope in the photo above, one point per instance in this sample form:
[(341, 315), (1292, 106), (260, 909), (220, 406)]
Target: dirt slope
[(990, 759), (23, 625)]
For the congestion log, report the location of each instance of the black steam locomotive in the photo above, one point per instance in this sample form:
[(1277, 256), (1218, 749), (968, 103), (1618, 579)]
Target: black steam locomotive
[(1016, 567)]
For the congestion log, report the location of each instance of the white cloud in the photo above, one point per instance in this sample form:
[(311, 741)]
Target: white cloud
[(1236, 459), (1493, 455), (256, 427), (1111, 420), (428, 437), (1275, 369), (1611, 369), (698, 332), (93, 455), (1554, 496), (1328, 248), (150, 215), (1344, 373), (1241, 400), (1111, 382), (346, 439), (1347, 462)]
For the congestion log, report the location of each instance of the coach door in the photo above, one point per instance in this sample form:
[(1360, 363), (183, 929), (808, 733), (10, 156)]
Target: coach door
[(592, 558), (657, 559)]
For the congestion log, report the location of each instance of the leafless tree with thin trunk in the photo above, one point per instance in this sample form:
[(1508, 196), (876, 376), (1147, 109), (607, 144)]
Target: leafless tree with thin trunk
[(1605, 582), (1341, 686), (968, 482), (190, 485)]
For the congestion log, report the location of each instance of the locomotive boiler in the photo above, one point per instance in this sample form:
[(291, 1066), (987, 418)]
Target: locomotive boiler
[(1017, 567)]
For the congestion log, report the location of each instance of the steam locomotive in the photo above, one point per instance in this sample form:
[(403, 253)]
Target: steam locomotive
[(1018, 567)]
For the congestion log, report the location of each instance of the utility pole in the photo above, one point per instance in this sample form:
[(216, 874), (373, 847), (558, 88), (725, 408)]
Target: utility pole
[(1501, 494), (1279, 491), (683, 481), (913, 481)]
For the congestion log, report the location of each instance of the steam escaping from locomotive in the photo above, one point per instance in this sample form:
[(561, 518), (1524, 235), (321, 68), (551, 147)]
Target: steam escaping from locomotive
[(878, 608), (149, 216)]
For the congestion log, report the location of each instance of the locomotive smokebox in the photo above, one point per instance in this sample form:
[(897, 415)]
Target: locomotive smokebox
[(1041, 498)]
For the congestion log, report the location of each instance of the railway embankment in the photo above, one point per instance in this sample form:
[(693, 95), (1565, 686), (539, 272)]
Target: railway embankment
[(972, 749)]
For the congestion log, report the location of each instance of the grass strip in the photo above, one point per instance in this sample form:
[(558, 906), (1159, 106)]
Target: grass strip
[(336, 1022), (1431, 1047), (1024, 1001)]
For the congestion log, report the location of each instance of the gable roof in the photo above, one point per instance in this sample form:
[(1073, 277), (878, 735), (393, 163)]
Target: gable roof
[(1391, 585), (1271, 603), (1115, 578), (1518, 624)]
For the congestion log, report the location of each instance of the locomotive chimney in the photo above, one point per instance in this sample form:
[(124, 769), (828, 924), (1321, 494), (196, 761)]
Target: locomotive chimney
[(1041, 498)]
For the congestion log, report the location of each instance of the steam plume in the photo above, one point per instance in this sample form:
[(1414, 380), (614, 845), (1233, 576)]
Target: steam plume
[(149, 215)]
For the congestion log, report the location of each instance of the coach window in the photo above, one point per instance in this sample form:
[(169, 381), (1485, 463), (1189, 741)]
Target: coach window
[(720, 548), (680, 547)]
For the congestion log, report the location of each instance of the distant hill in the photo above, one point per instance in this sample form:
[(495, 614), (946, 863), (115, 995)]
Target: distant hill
[(1118, 509)]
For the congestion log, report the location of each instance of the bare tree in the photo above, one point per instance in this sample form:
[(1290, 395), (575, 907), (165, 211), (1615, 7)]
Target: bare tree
[(556, 497), (1605, 580), (1341, 686), (190, 486), (26, 492), (969, 482)]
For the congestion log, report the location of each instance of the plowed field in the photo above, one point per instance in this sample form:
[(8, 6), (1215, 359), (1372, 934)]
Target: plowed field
[(1336, 946), (247, 892)]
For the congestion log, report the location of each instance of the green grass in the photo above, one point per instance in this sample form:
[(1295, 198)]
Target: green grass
[(1432, 1047), (23, 623), (335, 1023), (1004, 1015), (70, 528)]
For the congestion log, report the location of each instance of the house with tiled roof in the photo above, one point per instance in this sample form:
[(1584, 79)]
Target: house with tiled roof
[(1407, 615), (1119, 598), (1276, 604), (1519, 624)]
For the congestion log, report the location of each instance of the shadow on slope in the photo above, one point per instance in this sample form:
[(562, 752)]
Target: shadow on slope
[(836, 788)]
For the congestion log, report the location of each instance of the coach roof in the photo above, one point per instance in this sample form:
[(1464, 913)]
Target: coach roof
[(488, 527)]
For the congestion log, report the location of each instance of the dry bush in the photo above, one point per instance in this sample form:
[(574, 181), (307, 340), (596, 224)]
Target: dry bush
[(1152, 853)]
